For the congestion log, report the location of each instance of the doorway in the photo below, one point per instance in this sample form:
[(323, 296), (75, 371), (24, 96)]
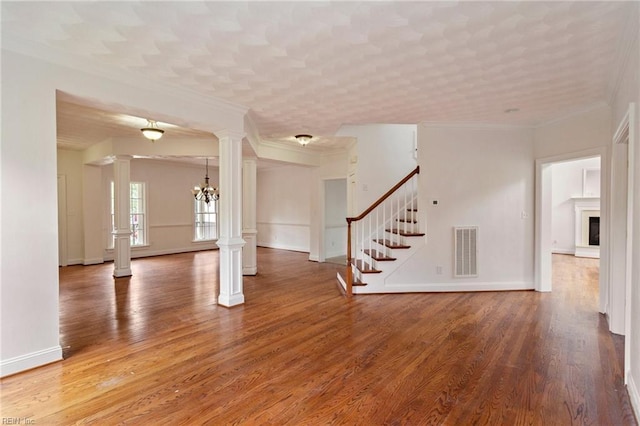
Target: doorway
[(545, 243), (335, 224)]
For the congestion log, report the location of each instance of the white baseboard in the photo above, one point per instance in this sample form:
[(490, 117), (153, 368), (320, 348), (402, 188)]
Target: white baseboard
[(634, 394), (341, 281), (446, 287), (335, 254), (28, 361), (93, 261), (74, 262), (562, 251), (314, 258), (135, 254), (284, 247)]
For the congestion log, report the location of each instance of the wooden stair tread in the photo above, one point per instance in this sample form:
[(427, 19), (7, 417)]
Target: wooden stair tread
[(390, 244), (364, 267), (405, 234), (356, 282), (378, 255), (407, 220)]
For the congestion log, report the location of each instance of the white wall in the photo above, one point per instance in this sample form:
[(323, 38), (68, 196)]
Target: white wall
[(577, 133), (385, 154), (480, 177), (567, 179), (283, 207), (29, 326)]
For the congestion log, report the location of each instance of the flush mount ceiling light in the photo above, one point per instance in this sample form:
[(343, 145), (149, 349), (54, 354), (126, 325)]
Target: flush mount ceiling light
[(152, 132), (303, 139)]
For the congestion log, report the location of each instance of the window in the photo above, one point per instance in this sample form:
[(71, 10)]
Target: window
[(205, 220), (137, 214)]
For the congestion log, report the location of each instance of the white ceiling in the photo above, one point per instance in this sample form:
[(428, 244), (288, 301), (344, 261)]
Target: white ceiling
[(309, 67)]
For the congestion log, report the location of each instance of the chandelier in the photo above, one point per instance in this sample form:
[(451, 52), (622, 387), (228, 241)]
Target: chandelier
[(205, 192), (152, 131)]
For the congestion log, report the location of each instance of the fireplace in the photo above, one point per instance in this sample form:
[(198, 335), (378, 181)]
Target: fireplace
[(594, 231), (587, 234)]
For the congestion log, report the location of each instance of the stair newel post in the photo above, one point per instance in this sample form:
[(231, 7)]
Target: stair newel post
[(349, 267)]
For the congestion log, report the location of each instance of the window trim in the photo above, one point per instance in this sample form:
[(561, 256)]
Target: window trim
[(194, 215), (144, 214)]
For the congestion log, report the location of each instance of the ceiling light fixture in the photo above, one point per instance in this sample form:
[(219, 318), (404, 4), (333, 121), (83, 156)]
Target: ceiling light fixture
[(205, 192), (303, 139), (152, 132)]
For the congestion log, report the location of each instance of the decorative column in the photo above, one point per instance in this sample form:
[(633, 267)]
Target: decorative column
[(230, 241), (249, 231), (122, 232)]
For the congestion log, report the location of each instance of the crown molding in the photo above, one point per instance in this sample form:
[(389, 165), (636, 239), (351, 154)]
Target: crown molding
[(473, 125)]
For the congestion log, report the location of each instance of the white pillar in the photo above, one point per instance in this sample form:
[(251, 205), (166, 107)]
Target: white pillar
[(249, 231), (230, 241), (122, 232)]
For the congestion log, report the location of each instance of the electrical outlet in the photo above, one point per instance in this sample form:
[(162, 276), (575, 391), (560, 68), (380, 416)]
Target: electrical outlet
[(524, 215), (438, 270)]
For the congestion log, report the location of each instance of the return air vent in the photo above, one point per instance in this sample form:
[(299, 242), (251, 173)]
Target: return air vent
[(465, 251)]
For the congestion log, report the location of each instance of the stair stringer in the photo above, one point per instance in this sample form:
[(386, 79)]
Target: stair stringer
[(376, 282)]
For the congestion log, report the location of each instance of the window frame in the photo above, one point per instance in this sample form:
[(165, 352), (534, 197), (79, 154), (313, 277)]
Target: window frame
[(143, 201), (200, 229)]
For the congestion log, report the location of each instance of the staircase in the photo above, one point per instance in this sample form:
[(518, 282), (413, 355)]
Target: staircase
[(382, 238)]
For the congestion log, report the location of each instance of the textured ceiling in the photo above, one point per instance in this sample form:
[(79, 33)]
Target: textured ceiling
[(308, 67)]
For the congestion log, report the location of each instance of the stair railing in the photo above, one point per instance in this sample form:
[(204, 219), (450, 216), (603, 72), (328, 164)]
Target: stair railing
[(372, 224)]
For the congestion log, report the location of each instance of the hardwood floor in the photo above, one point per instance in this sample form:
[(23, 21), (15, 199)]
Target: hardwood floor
[(155, 349)]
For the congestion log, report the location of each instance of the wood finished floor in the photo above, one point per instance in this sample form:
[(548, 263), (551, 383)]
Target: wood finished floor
[(155, 349)]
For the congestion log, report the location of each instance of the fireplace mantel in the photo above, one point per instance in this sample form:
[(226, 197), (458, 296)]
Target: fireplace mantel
[(585, 208)]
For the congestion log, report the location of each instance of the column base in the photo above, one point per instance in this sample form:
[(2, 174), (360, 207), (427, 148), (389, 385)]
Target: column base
[(122, 273), (249, 255), (229, 301)]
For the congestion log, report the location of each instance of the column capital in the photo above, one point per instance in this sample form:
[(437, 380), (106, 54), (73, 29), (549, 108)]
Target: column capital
[(250, 160), (234, 135)]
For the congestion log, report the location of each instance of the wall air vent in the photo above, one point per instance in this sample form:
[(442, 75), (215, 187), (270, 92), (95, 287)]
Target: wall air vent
[(465, 251)]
